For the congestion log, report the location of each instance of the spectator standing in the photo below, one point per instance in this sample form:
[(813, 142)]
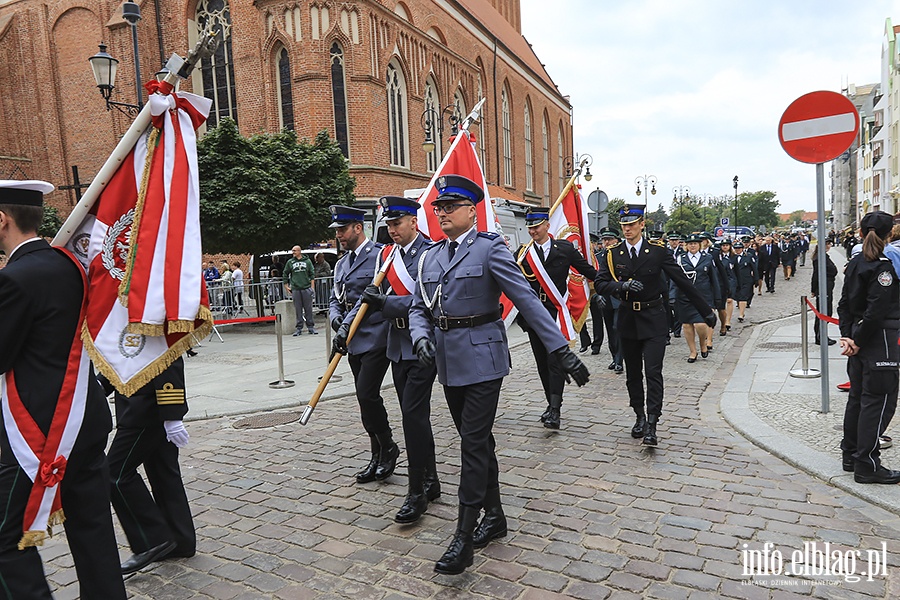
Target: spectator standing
[(226, 281), (830, 274), (299, 275), (237, 277)]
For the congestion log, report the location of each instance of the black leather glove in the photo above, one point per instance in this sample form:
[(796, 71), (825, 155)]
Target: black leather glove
[(425, 350), (572, 365), (339, 341), (373, 297), (336, 323), (632, 285), (710, 319), (600, 301)]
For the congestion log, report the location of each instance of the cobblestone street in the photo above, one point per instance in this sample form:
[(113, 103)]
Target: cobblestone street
[(593, 514)]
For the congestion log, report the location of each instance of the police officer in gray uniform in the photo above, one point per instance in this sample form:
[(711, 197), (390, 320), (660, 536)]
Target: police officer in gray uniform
[(366, 353), (456, 319), (412, 380)]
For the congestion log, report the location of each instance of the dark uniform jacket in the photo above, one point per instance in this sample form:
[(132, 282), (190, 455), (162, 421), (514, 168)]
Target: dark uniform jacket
[(769, 260), (396, 308), (705, 280), (651, 262), (746, 276), (830, 276), (162, 399), (870, 302), (349, 283), (40, 303), (562, 255)]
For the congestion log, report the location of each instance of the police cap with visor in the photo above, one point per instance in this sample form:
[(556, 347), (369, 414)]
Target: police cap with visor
[(345, 215), (457, 187), (395, 207)]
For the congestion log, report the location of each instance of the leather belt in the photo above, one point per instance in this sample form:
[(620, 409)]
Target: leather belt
[(444, 322), (401, 323), (542, 295), (639, 306)]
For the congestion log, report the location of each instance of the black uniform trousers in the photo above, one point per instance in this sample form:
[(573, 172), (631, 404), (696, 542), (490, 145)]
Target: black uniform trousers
[(829, 311), (597, 325), (149, 521), (413, 383), (473, 408), (644, 355), (553, 379), (89, 531), (769, 276), (612, 334), (368, 370), (870, 407)]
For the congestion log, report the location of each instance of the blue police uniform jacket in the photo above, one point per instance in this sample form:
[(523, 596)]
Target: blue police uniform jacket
[(469, 285), (349, 283), (396, 308)]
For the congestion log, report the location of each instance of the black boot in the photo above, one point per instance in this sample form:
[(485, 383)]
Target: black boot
[(368, 473), (432, 483), (460, 553), (650, 430), (416, 502), (638, 430), (493, 525), (545, 414), (387, 458), (552, 420)]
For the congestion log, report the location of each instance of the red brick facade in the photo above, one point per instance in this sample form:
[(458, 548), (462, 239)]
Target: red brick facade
[(53, 116)]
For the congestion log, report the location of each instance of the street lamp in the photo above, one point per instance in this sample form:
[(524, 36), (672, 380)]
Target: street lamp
[(105, 66), (647, 180), (735, 203), (680, 193), (433, 121), (704, 200), (578, 161)]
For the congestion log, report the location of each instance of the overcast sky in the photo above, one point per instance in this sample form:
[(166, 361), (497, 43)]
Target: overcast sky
[(691, 91)]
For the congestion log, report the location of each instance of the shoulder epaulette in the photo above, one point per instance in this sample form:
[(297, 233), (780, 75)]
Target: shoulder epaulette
[(657, 243), (491, 235), (617, 244)]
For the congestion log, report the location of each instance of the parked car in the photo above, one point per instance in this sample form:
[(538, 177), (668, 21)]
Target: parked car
[(731, 232)]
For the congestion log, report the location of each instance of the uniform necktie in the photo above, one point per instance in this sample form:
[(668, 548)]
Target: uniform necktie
[(453, 247), (633, 253), (402, 253), (352, 258), (540, 252)]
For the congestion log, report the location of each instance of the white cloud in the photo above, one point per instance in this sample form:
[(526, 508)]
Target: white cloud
[(692, 91)]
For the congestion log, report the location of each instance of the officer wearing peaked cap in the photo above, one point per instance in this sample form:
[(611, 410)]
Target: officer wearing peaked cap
[(609, 308), (412, 380), (353, 272), (632, 272), (557, 257), (41, 296), (456, 320)]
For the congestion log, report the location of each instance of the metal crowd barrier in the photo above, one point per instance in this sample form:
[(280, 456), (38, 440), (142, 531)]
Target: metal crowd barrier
[(229, 301)]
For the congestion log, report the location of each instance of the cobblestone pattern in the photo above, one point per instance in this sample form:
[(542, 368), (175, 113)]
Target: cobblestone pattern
[(592, 513)]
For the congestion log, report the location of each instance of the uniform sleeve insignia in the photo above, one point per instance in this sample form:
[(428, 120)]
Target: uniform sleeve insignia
[(491, 235), (169, 395), (414, 251), (885, 278)]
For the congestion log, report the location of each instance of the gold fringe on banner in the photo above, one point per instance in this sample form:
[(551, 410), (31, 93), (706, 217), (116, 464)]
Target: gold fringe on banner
[(152, 329), (180, 326)]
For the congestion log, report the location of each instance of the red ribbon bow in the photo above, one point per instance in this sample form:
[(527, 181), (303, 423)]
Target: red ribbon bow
[(166, 89), (50, 474)]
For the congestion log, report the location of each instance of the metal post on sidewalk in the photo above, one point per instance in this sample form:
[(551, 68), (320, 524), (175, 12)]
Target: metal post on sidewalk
[(282, 383), (335, 376), (805, 372)]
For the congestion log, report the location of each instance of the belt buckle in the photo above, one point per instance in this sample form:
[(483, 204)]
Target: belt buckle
[(442, 323), (636, 306), (542, 296), (400, 323)]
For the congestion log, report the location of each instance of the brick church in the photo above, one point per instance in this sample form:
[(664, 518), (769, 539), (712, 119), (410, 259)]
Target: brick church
[(378, 75)]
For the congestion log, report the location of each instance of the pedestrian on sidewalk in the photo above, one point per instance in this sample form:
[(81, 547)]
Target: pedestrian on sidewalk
[(769, 259), (746, 278), (869, 314), (456, 320), (299, 279), (149, 433), (830, 276), (633, 273), (413, 381)]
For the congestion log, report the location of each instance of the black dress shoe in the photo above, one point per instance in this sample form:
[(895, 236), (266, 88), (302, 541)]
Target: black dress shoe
[(847, 463), (704, 354), (619, 369), (553, 419), (676, 333), (638, 430), (583, 348), (595, 351), (545, 415), (692, 359), (722, 332), (650, 431), (831, 342), (880, 475), (612, 365), (139, 561)]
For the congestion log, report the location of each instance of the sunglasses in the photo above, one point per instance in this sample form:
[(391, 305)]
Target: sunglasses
[(448, 208)]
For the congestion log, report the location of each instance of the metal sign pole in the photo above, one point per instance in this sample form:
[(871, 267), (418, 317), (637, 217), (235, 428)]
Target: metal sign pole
[(823, 284)]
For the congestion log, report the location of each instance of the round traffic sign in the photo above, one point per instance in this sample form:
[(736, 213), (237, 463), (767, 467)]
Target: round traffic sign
[(818, 127)]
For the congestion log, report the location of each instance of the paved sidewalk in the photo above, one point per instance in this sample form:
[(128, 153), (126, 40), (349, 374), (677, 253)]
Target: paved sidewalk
[(592, 513)]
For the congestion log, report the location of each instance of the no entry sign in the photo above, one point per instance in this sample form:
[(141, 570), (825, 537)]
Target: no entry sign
[(818, 127)]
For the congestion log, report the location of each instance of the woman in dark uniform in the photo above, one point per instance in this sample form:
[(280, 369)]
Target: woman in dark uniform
[(830, 275), (869, 313), (745, 274), (701, 270)]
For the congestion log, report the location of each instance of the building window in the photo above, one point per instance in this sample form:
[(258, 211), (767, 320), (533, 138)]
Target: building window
[(218, 70), (545, 138), (433, 113), (507, 139), (350, 24), (339, 98), (319, 20), (529, 158), (396, 90), (285, 97)]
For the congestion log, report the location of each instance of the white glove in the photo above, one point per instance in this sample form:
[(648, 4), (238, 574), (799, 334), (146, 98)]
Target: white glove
[(176, 433)]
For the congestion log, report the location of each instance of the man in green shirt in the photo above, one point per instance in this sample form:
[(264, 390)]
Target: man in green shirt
[(299, 274)]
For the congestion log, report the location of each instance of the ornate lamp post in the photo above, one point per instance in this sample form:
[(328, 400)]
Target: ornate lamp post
[(646, 180), (680, 194), (735, 180), (105, 66), (580, 160)]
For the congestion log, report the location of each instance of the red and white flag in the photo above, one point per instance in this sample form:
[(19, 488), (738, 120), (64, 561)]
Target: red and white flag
[(140, 245), (563, 317), (395, 271), (462, 159), (570, 222)]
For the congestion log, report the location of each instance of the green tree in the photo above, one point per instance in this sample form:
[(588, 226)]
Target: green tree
[(657, 219), (758, 208), (51, 222), (686, 217), (795, 217), (268, 192), (612, 211)]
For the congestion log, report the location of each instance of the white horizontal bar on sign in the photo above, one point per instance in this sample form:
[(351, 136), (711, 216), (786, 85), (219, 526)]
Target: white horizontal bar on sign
[(810, 128)]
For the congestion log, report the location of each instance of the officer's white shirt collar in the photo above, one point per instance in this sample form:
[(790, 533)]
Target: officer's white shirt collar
[(694, 258), (20, 245), (637, 247), (409, 245), (463, 236), (360, 247)]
